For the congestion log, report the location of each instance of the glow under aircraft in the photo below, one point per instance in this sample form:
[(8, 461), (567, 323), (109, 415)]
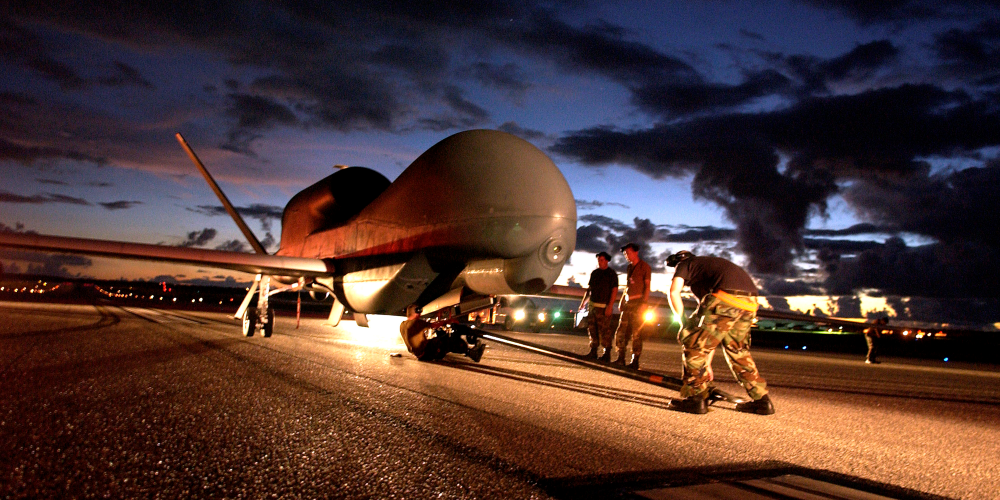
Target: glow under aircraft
[(479, 214)]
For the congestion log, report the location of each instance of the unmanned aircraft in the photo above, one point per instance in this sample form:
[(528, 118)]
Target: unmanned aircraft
[(481, 213)]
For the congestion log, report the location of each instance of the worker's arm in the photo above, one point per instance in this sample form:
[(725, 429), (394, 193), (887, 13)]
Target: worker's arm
[(645, 294), (676, 304)]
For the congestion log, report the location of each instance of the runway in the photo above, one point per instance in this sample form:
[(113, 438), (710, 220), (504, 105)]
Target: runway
[(102, 400)]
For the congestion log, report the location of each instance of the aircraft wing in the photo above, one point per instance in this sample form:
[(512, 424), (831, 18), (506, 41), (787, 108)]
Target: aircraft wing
[(237, 261)]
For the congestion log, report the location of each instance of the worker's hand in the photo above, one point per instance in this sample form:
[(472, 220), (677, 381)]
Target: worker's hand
[(691, 322)]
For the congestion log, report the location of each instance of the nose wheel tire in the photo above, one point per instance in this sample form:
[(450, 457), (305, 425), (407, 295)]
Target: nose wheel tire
[(268, 328), (249, 321)]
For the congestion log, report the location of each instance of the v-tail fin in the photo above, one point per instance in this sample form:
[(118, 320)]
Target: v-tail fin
[(254, 242)]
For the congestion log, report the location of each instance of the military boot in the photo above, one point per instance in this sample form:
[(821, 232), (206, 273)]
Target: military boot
[(634, 364), (693, 404), (606, 357), (761, 406), (592, 354), (620, 360), (476, 352)]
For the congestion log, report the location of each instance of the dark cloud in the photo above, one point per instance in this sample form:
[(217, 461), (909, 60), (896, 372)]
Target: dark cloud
[(608, 235), (839, 246), (455, 98), (253, 113), (24, 48), (952, 206), (734, 159), (119, 205), (421, 61), (16, 98), (863, 228), (753, 35), (62, 198), (265, 214), (599, 48), (507, 77), (682, 98), (18, 228), (258, 112), (971, 313), (814, 75), (973, 53), (524, 133), (397, 60), (696, 234), (233, 246), (44, 264), (605, 221), (126, 76), (42, 198), (886, 11), (937, 270), (840, 241), (592, 204), (54, 182), (268, 240), (199, 238), (31, 154), (776, 286), (605, 234), (592, 238)]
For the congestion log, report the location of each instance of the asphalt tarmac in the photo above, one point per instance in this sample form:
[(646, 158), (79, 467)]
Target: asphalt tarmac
[(104, 401)]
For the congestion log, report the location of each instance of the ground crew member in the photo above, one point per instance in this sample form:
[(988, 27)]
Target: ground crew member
[(431, 342), (872, 335), (602, 290), (633, 306), (727, 307)]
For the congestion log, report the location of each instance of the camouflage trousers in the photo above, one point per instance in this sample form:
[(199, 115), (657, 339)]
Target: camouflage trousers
[(599, 327), (718, 323), (630, 327)]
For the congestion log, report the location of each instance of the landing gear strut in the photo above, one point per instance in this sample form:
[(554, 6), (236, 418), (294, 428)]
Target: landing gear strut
[(261, 317)]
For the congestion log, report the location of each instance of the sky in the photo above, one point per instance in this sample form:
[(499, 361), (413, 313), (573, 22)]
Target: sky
[(844, 152)]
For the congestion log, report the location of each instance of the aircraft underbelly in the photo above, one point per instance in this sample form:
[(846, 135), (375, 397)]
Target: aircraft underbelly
[(387, 289)]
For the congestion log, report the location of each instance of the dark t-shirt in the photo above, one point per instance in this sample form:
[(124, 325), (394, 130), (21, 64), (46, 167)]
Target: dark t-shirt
[(602, 281), (638, 274), (707, 274)]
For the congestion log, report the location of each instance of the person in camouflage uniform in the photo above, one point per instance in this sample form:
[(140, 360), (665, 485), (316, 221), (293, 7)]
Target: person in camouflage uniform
[(432, 341), (601, 290), (633, 307), (726, 311)]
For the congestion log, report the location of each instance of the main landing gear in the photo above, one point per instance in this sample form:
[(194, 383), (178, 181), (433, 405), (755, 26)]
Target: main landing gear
[(251, 322), (260, 318)]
